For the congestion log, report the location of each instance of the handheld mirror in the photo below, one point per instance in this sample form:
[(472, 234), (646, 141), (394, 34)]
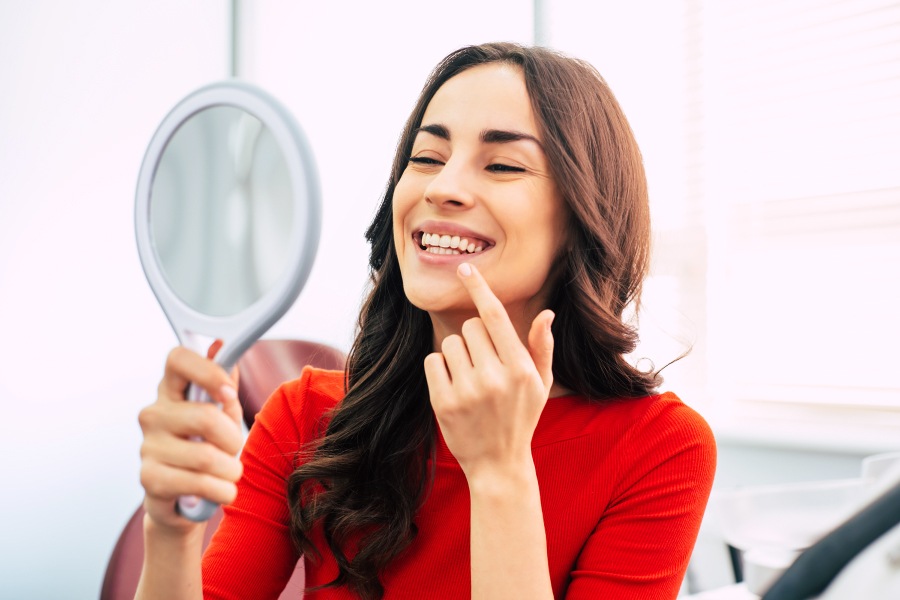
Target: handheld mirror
[(227, 217)]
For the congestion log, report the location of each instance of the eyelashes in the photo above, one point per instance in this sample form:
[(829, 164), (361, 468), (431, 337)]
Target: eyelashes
[(422, 160), (501, 168), (493, 168)]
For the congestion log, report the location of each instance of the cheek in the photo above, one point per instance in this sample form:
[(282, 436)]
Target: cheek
[(559, 219), (400, 207), (540, 232), (404, 196)]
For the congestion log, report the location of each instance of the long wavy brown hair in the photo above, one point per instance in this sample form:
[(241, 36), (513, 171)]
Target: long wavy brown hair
[(363, 482)]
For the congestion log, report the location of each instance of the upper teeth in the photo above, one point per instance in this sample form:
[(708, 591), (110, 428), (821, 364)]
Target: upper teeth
[(450, 244)]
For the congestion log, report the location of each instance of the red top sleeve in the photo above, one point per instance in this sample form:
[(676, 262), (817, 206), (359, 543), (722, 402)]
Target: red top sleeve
[(251, 554), (642, 544)]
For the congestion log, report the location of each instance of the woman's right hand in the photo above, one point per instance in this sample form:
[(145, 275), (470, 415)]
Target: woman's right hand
[(174, 465)]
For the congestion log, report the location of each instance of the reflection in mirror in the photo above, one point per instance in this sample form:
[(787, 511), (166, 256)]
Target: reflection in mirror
[(221, 211)]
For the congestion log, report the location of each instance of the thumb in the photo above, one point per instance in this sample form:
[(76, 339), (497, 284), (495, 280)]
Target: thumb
[(540, 346)]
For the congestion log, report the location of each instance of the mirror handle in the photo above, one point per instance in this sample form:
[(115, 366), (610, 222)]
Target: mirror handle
[(194, 508)]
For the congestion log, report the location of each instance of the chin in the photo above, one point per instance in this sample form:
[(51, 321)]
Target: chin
[(433, 299), (442, 305)]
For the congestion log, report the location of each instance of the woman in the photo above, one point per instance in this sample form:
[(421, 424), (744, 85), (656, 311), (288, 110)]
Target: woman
[(470, 448)]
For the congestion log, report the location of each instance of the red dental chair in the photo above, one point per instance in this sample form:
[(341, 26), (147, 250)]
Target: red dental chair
[(266, 365)]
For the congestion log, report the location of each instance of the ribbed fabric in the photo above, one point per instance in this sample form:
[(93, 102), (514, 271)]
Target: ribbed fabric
[(623, 490)]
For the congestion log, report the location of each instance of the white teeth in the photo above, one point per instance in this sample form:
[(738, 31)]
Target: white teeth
[(436, 243)]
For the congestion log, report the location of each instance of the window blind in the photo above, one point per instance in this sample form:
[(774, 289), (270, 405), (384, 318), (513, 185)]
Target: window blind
[(793, 146)]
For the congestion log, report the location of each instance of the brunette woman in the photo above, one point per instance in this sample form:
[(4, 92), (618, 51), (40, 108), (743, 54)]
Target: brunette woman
[(489, 437)]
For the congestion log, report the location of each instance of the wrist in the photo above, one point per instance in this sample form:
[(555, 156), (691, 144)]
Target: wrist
[(172, 561), (187, 535), (516, 480)]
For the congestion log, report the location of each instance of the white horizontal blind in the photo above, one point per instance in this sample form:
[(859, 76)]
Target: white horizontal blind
[(794, 151)]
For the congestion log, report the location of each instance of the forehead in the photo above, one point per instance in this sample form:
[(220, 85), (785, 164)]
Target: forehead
[(491, 96)]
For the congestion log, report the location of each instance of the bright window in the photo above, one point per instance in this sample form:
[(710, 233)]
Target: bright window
[(776, 200)]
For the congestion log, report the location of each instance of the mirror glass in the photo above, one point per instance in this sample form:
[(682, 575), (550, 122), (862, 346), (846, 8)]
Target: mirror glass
[(221, 211)]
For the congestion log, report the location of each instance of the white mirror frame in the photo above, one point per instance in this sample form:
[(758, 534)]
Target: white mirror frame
[(240, 330)]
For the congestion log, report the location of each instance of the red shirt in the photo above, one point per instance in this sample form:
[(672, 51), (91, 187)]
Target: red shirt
[(623, 490)]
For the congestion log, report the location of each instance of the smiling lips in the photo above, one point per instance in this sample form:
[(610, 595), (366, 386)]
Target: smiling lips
[(436, 243)]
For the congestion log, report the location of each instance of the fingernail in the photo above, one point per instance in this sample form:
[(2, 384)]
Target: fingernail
[(465, 269), (550, 320), (228, 391)]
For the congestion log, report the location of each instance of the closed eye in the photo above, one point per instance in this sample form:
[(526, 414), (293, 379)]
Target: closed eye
[(499, 168), (424, 160)]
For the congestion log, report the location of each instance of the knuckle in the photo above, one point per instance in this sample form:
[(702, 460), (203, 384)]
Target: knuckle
[(151, 481), (492, 312), (471, 326), (524, 380), (174, 358), (205, 486), (237, 470), (519, 372), (205, 417), (216, 489), (451, 342), (446, 410), (146, 418), (232, 443), (492, 385), (467, 394), (230, 493), (204, 458)]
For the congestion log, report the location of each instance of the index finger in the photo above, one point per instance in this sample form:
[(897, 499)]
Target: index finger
[(492, 312), (184, 366)]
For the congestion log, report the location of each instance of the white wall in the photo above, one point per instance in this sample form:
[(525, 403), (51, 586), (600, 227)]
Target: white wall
[(82, 87)]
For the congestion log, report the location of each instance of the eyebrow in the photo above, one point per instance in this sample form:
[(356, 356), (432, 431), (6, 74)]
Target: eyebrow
[(488, 136)]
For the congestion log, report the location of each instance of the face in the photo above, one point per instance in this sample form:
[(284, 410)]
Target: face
[(478, 189)]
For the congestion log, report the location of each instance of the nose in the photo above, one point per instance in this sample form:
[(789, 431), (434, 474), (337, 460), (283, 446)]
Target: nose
[(453, 187)]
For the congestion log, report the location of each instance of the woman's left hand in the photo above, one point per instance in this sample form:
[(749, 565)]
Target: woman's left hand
[(487, 389)]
